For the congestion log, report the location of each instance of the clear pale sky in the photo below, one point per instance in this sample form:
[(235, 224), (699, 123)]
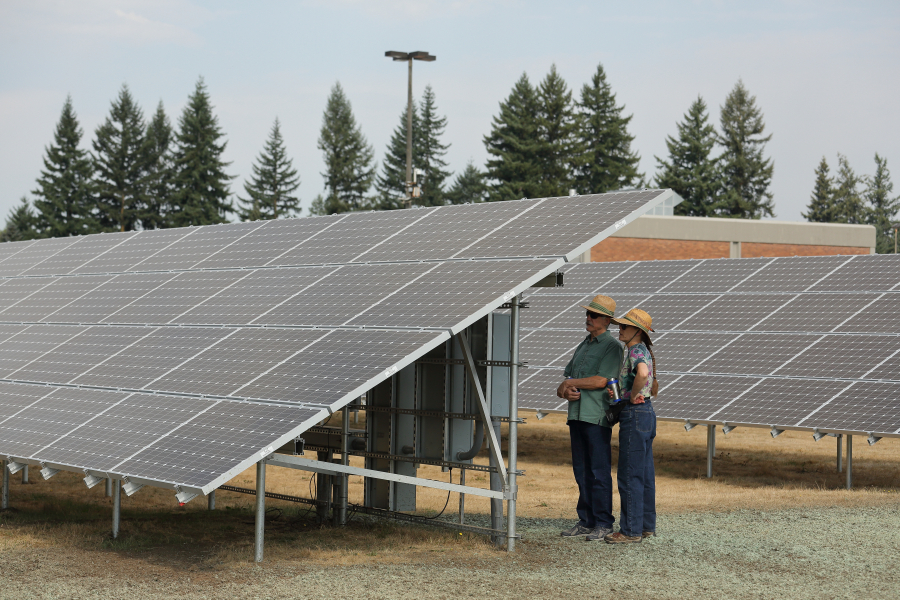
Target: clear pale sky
[(826, 74)]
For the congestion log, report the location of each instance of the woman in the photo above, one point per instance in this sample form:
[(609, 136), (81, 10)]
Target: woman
[(637, 428)]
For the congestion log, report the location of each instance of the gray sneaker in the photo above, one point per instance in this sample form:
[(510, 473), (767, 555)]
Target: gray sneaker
[(598, 533), (579, 529)]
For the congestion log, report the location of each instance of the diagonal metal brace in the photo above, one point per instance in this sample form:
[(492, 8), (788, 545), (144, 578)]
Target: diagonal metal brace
[(482, 405)]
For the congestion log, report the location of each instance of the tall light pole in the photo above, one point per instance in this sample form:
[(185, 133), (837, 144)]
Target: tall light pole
[(895, 227), (409, 57)]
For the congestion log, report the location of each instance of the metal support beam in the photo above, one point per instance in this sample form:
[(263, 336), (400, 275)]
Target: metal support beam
[(345, 460), (211, 500), (849, 461), (4, 491), (496, 504), (840, 452), (108, 487), (260, 509), (710, 448), (25, 474), (462, 497), (513, 449), (117, 507), (482, 404)]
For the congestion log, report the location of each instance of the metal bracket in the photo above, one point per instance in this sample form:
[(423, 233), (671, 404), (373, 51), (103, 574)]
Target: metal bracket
[(13, 466), (482, 405), (92, 480), (299, 444), (48, 472), (130, 487)]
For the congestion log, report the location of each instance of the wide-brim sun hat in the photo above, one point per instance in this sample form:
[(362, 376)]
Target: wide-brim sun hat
[(601, 304), (637, 318)]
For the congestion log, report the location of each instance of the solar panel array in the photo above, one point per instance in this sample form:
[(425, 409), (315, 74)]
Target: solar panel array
[(793, 342), (182, 356)]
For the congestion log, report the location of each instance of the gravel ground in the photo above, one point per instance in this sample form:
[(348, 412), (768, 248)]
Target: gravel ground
[(792, 554)]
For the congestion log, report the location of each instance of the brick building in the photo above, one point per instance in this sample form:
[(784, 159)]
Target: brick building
[(662, 237)]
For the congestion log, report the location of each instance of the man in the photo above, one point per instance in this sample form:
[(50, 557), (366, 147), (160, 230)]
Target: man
[(597, 359)]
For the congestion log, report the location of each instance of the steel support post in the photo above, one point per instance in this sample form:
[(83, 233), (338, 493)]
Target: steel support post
[(260, 509), (511, 487), (4, 491), (462, 497), (25, 474), (211, 500), (117, 507), (108, 487), (710, 448), (345, 460), (849, 461), (840, 452), (323, 489), (496, 485)]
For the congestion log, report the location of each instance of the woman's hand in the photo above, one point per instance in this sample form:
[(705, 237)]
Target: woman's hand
[(637, 399), (609, 393)]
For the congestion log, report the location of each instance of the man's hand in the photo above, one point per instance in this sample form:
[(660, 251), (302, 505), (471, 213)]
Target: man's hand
[(572, 394), (561, 390)]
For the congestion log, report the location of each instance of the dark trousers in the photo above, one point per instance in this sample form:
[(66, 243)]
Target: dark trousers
[(636, 475), (591, 464)]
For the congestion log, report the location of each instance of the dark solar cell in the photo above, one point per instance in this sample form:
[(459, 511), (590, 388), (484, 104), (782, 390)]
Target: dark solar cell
[(698, 396), (10, 249), (543, 309), (50, 418), (79, 354), (175, 297), (537, 390), (783, 402), (558, 225), (349, 237), (319, 373), (122, 431), (152, 357), (14, 291), (648, 277), (32, 343), (816, 312), (16, 396), (269, 241), (342, 295), (545, 348), (444, 232), (843, 356), (718, 275), (109, 298), (791, 274), (883, 315), (868, 273), (218, 441), (35, 254), (755, 354), (586, 278), (59, 293), (449, 293), (864, 406), (260, 293), (88, 248), (138, 248), (196, 247), (668, 311), (680, 352), (734, 313)]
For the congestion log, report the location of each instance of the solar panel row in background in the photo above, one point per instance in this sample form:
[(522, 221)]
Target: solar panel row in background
[(810, 342), (182, 356)]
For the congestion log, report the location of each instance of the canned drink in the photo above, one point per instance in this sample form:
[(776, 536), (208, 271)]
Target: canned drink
[(613, 384)]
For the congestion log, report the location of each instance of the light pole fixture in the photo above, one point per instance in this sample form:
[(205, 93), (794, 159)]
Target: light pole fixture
[(409, 57)]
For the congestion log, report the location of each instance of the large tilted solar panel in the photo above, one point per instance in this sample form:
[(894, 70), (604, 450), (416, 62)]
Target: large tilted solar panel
[(792, 342), (180, 357)]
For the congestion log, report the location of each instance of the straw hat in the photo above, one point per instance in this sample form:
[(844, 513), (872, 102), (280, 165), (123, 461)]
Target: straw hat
[(601, 304), (637, 318)]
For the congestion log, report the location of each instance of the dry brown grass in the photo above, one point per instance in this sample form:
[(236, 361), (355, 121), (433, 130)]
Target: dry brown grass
[(752, 470)]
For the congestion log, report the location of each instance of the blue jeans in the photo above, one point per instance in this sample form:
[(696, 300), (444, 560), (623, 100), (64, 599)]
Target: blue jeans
[(592, 466), (636, 476)]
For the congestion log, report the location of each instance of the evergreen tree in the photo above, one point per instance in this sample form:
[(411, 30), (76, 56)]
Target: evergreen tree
[(557, 138), (430, 152), (468, 186), (391, 183), (20, 224), (882, 209), (120, 163), (65, 200), (273, 183), (746, 173), (513, 169), (821, 203), (691, 171), (160, 187), (849, 206), (348, 158), (607, 161), (201, 184)]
